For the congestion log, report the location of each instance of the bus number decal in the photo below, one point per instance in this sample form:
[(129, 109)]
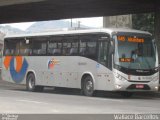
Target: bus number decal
[(17, 74)]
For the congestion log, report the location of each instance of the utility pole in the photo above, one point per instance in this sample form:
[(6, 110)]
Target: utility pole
[(71, 23), (79, 24)]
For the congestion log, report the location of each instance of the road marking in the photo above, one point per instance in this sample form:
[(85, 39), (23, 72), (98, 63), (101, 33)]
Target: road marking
[(31, 101)]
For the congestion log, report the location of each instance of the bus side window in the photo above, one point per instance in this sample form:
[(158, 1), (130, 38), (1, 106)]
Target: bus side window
[(70, 47), (74, 48), (83, 48), (66, 48), (54, 48), (88, 46), (51, 47), (91, 50), (39, 47), (11, 47), (7, 52), (55, 45), (73, 51), (26, 47)]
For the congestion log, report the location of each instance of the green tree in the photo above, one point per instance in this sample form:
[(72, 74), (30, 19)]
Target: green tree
[(143, 22)]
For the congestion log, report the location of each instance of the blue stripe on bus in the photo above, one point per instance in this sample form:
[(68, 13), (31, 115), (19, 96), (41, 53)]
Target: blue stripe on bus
[(18, 76)]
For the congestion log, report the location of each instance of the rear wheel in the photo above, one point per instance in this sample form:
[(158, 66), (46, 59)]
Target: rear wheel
[(88, 86), (30, 84)]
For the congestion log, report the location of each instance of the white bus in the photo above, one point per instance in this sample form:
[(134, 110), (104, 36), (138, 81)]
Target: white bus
[(121, 60)]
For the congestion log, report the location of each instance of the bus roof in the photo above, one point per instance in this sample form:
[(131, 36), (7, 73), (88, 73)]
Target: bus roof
[(104, 30)]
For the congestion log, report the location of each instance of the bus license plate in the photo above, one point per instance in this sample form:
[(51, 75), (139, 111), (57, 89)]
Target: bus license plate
[(139, 86)]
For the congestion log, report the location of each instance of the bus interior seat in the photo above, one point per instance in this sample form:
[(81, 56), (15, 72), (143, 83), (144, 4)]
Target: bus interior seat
[(12, 51), (56, 51), (73, 51), (27, 51), (41, 51), (7, 51), (82, 51)]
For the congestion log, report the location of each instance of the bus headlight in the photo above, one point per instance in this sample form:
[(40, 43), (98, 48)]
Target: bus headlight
[(156, 88)]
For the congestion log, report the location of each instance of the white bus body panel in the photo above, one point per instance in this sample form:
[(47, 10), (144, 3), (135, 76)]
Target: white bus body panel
[(67, 72)]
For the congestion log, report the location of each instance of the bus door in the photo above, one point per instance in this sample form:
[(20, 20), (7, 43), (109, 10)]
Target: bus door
[(103, 67)]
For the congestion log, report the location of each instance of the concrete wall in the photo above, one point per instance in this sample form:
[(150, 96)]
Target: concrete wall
[(1, 39), (123, 21)]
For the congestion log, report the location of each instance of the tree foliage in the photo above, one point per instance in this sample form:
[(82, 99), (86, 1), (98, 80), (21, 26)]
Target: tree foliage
[(143, 22)]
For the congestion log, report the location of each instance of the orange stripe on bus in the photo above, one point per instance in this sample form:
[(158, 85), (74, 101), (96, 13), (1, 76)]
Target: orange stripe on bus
[(6, 62), (18, 63)]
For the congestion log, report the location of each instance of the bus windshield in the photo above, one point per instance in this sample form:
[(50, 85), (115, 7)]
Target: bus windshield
[(135, 52)]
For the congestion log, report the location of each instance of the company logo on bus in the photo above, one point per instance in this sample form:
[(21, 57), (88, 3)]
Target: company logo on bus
[(21, 65), (52, 63)]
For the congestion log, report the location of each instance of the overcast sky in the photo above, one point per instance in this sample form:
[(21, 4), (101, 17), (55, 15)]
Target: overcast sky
[(91, 22)]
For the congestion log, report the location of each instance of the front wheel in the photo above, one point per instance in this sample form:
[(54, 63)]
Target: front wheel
[(88, 86), (30, 84)]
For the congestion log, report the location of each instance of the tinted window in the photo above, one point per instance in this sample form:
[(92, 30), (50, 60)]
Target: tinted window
[(39, 46), (55, 46), (11, 47), (70, 45), (88, 46), (26, 47), (74, 48)]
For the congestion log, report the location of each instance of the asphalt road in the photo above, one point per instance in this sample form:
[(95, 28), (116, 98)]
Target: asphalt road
[(14, 99)]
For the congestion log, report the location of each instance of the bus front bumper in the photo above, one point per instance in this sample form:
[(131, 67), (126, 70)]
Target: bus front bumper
[(136, 86)]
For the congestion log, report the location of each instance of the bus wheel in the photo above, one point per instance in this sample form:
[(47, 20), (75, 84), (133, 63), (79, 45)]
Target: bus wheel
[(126, 94), (88, 86), (30, 84)]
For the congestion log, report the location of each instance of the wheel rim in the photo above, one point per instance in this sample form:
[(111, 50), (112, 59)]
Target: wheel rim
[(89, 86), (31, 83)]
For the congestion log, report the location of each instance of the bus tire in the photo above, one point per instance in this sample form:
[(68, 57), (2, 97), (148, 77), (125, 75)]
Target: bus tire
[(88, 86), (30, 84), (126, 94)]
